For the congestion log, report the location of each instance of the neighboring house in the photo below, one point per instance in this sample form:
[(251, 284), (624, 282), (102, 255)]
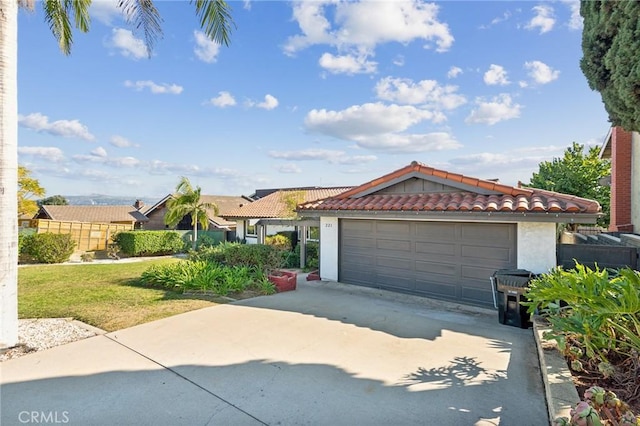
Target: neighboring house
[(225, 204), (126, 215), (425, 231), (275, 212), (623, 149)]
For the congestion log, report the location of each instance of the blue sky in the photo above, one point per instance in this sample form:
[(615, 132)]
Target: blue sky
[(322, 93)]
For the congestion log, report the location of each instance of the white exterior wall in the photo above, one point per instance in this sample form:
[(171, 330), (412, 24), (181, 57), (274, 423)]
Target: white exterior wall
[(329, 248), (635, 181), (536, 246)]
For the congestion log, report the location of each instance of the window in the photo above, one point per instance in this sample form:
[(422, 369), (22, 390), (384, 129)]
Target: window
[(313, 233), (249, 229)]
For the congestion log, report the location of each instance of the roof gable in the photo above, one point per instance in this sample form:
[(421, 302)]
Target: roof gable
[(418, 178), (419, 189)]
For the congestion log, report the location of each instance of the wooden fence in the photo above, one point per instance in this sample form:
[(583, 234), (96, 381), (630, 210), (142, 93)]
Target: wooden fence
[(88, 236)]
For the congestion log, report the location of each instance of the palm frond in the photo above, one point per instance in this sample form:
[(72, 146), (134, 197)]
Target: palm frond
[(215, 19), (142, 14), (57, 17)]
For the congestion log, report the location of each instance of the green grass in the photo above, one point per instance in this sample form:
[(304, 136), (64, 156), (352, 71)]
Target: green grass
[(107, 296)]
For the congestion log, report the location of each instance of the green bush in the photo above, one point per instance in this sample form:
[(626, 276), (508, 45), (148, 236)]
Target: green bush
[(281, 241), (597, 309), (47, 248), (149, 243), (312, 262), (200, 275), (261, 256)]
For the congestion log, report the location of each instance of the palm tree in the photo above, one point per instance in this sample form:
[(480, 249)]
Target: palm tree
[(215, 19), (186, 201)]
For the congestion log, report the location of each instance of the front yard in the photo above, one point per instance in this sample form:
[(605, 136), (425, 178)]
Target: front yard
[(107, 296)]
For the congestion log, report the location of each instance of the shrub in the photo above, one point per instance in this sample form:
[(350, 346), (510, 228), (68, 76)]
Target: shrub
[(199, 275), (149, 243), (261, 256), (600, 407), (312, 262), (87, 257), (47, 248), (279, 240)]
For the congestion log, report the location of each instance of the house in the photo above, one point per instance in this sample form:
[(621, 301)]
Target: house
[(623, 149), (275, 212), (224, 203), (126, 215), (428, 232)]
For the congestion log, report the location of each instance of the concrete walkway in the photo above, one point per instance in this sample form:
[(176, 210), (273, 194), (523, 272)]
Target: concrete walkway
[(326, 354)]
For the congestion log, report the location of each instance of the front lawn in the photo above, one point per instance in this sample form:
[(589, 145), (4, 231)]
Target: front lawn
[(107, 296)]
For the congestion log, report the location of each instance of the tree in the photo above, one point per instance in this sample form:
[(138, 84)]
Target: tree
[(28, 187), (579, 174), (186, 201), (610, 48), (215, 19), (54, 200)]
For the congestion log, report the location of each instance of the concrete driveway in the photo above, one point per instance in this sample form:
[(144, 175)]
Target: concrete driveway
[(326, 354)]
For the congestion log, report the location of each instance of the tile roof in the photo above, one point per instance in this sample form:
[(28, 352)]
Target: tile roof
[(491, 197), (274, 205), (225, 203), (102, 214)]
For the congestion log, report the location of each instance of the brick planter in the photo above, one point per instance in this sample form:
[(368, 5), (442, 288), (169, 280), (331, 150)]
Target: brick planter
[(313, 276), (283, 280)]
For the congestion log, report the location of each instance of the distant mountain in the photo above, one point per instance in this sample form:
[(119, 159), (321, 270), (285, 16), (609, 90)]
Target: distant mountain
[(107, 200)]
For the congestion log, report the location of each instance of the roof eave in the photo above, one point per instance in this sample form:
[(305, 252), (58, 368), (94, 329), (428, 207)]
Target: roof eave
[(485, 216)]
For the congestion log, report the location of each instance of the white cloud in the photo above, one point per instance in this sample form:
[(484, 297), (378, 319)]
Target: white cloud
[(410, 143), (498, 109), (495, 21), (365, 120), (48, 153), (65, 128), (270, 102), (105, 11), (347, 64), (99, 152), (425, 92), (543, 20), (359, 27), (541, 73), (121, 142), (156, 89), (224, 99), (206, 50), (330, 156), (96, 158), (454, 72), (289, 168), (377, 126), (496, 75), (399, 61), (575, 21), (127, 44)]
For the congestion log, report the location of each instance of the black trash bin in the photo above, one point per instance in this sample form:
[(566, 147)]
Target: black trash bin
[(509, 286)]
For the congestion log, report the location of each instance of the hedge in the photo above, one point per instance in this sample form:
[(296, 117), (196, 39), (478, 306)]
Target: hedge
[(46, 248), (149, 243)]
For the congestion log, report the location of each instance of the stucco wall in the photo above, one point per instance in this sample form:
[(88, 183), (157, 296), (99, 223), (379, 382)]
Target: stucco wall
[(635, 181), (329, 248), (536, 246)]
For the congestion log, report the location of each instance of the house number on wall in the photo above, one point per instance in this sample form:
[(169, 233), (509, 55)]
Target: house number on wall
[(328, 225)]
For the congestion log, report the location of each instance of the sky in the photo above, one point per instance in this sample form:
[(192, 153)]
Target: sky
[(308, 93)]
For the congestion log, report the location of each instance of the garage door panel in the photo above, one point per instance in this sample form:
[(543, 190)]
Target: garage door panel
[(449, 260), (439, 268), (403, 265), (436, 231), (393, 245), (477, 273), (484, 253), (499, 234), (430, 248), (365, 244), (437, 289), (394, 228), (394, 282)]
